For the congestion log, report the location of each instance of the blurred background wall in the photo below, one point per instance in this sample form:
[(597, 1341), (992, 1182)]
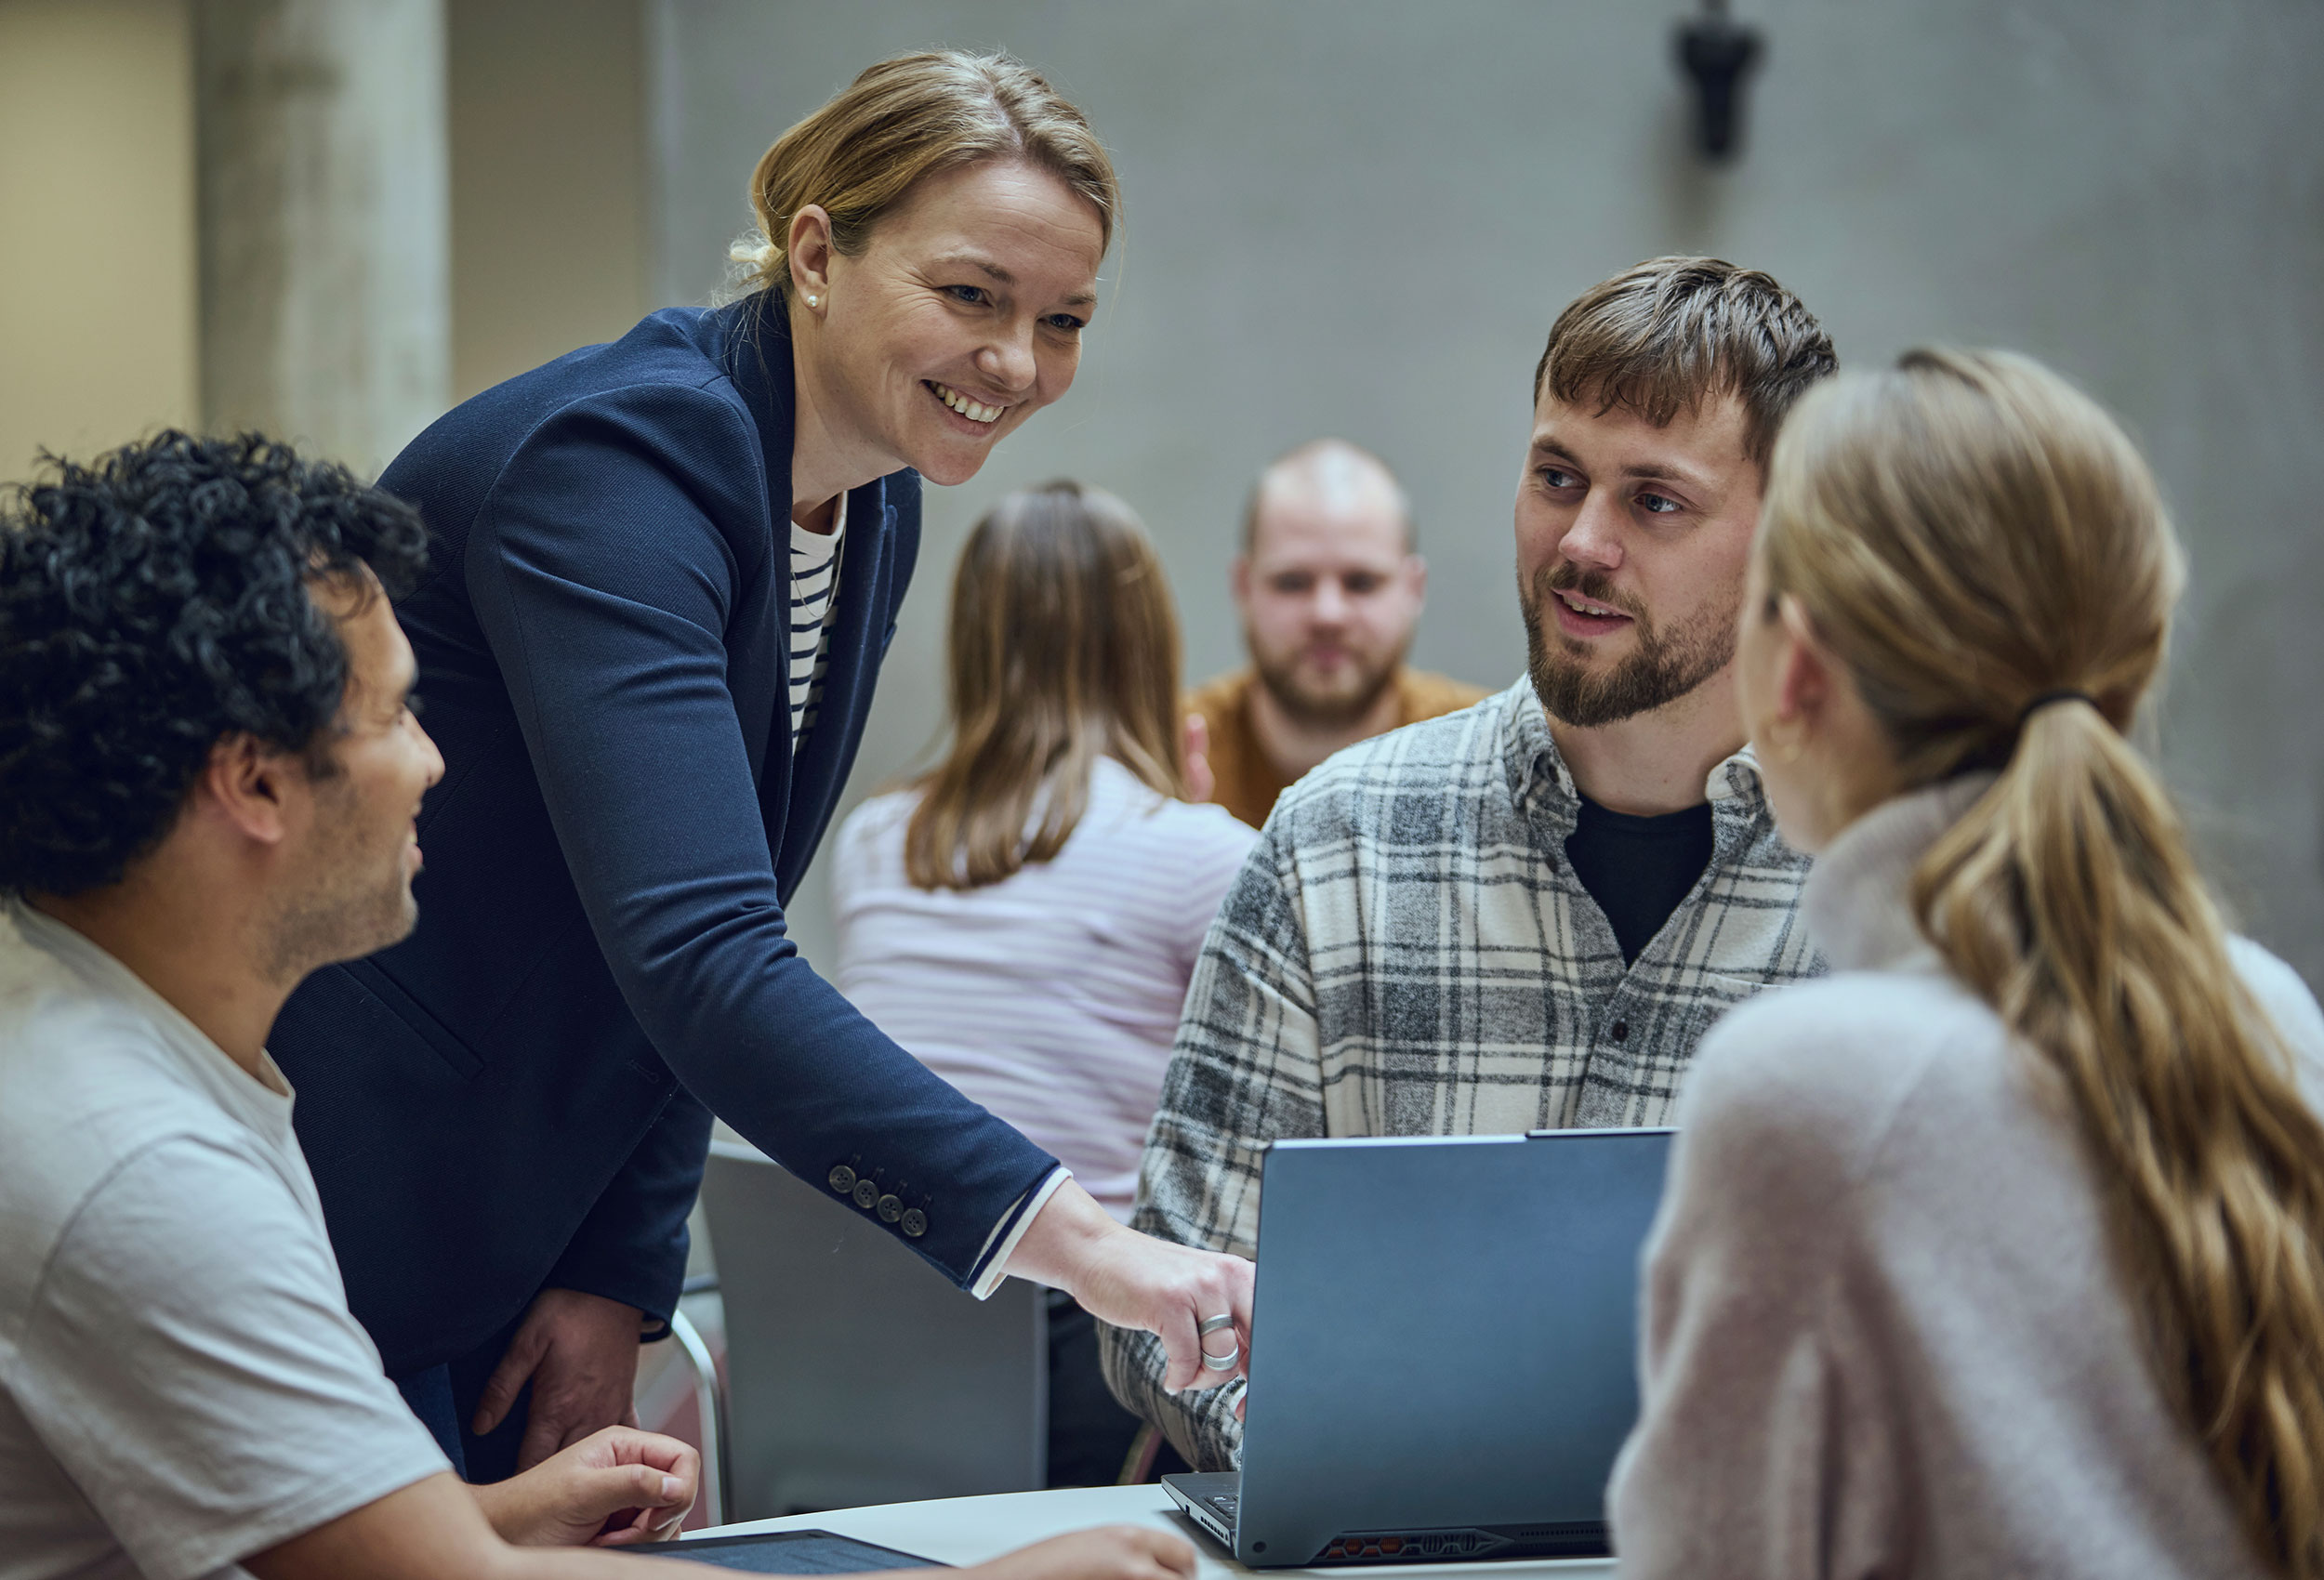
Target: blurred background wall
[(549, 182), (98, 316), (1359, 216), (320, 135), (326, 217)]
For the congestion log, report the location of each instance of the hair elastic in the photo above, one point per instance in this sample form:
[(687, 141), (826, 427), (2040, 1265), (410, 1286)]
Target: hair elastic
[(2063, 694)]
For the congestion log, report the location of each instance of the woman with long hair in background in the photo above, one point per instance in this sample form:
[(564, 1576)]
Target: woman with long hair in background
[(1024, 916), (2000, 1251)]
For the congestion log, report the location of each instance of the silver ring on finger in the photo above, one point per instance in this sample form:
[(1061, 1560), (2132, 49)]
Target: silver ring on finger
[(1225, 1363), (1212, 1324)]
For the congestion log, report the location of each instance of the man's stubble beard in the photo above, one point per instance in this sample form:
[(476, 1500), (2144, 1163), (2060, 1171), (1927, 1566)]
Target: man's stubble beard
[(1326, 710), (1662, 669), (362, 904)]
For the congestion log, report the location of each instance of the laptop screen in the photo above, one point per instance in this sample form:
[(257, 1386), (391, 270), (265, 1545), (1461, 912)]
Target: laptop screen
[(1444, 1338)]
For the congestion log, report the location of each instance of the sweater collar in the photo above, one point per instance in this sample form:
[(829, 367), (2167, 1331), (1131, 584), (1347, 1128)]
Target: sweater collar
[(1859, 900)]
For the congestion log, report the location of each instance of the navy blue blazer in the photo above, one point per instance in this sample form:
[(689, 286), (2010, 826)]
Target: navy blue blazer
[(514, 1097)]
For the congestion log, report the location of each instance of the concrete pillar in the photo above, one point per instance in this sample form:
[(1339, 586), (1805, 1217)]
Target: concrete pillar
[(325, 221)]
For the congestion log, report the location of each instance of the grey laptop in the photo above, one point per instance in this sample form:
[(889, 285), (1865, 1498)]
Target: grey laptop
[(1444, 1343)]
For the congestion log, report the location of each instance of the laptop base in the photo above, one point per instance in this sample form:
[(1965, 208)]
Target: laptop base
[(1212, 1500)]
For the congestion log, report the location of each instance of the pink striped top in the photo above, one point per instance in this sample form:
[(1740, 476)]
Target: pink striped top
[(1051, 998)]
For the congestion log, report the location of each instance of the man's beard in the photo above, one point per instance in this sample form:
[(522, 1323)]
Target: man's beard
[(1331, 707), (1663, 667), (345, 920), (358, 904)]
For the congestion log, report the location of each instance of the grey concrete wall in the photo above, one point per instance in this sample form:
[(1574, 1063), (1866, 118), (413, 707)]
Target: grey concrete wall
[(326, 277), (549, 231), (1359, 216)]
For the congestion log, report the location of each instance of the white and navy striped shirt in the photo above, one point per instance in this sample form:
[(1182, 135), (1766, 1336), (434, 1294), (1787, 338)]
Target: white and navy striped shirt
[(814, 589)]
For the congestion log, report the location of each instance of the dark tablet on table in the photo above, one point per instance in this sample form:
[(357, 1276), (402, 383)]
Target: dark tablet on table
[(786, 1552)]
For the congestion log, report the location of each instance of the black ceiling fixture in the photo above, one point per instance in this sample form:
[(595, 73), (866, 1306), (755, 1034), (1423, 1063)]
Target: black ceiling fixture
[(1717, 53)]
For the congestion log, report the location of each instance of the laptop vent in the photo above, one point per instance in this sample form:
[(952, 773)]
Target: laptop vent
[(1583, 1537)]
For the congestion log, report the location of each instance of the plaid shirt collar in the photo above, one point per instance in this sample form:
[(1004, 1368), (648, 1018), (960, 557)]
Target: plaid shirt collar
[(1542, 786)]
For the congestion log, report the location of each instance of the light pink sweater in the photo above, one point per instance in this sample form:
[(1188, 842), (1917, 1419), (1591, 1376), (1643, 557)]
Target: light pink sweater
[(1051, 998), (1883, 1333)]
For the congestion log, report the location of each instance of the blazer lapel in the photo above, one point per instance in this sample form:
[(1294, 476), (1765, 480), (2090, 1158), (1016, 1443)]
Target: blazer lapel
[(797, 794), (757, 355), (857, 624)]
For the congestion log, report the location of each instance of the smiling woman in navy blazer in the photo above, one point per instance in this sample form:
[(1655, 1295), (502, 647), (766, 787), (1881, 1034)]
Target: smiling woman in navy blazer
[(506, 1114)]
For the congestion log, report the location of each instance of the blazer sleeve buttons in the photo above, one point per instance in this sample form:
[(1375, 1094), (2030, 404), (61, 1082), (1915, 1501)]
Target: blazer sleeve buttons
[(867, 1194)]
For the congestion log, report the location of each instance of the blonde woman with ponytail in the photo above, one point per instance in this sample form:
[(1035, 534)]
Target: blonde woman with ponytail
[(2002, 1251)]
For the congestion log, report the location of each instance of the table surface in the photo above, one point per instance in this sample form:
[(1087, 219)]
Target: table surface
[(970, 1529)]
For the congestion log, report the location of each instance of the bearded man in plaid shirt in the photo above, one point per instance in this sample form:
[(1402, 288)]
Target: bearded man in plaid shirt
[(1526, 913)]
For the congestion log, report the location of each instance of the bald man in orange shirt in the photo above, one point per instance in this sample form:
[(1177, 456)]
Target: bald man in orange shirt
[(1331, 591)]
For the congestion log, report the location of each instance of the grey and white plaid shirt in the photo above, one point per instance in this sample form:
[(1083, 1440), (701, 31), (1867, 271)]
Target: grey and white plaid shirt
[(1407, 952)]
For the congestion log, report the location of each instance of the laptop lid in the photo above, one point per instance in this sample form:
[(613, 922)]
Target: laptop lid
[(1444, 1344)]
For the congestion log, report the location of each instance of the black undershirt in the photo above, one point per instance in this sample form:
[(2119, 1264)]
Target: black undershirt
[(1639, 869)]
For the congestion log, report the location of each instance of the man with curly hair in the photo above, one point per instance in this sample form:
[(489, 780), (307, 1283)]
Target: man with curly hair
[(209, 769)]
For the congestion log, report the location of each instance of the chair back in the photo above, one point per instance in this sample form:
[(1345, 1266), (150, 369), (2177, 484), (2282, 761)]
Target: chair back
[(856, 1373)]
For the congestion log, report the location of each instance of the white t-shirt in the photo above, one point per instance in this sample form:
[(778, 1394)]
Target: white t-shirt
[(1052, 996), (181, 1383), (815, 589)]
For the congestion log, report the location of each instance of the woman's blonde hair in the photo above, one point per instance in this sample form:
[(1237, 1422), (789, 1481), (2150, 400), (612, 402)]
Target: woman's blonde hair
[(900, 121), (1969, 533), (1063, 648)]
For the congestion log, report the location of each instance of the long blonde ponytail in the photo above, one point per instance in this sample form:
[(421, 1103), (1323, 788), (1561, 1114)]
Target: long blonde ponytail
[(1970, 535)]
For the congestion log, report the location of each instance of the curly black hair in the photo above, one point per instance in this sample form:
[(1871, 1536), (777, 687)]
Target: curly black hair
[(153, 603)]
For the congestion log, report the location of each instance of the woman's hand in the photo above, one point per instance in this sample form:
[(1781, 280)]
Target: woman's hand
[(1132, 1280), (614, 1488), (1109, 1552)]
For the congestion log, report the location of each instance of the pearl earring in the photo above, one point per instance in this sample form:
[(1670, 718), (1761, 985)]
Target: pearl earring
[(811, 301)]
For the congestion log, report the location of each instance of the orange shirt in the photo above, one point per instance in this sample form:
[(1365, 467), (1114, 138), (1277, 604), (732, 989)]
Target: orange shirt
[(1248, 781)]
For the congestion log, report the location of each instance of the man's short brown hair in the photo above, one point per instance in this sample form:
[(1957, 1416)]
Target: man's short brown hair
[(1672, 332)]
